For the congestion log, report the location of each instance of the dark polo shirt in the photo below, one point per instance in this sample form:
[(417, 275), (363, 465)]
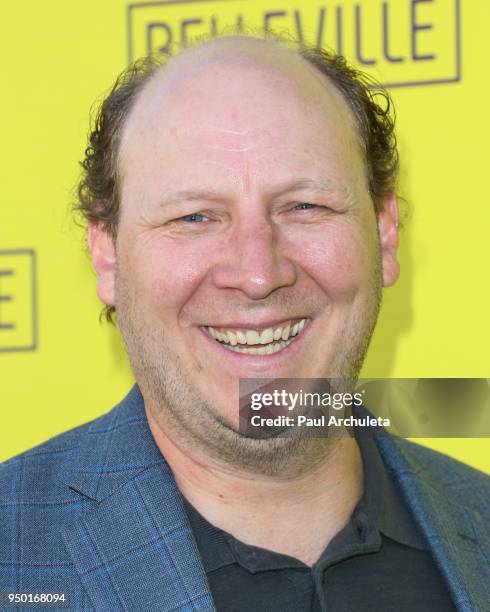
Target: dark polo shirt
[(378, 562)]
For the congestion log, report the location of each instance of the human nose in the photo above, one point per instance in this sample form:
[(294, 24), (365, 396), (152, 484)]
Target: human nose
[(254, 261)]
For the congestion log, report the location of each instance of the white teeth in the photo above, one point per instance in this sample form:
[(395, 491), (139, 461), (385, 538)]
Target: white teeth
[(272, 339), (241, 337), (266, 336), (252, 337), (263, 350), (285, 332)]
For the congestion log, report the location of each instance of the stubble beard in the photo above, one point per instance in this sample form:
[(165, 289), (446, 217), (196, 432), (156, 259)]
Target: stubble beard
[(194, 423)]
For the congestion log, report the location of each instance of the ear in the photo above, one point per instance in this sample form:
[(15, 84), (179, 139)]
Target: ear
[(388, 227), (103, 252)]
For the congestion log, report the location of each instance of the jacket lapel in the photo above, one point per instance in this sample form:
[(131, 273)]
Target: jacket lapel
[(456, 534), (132, 547)]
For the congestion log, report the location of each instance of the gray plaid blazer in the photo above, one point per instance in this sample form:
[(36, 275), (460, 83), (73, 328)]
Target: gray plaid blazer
[(95, 513)]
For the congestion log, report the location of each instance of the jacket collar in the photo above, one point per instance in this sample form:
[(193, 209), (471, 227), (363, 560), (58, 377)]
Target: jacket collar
[(456, 534), (132, 545), (113, 449)]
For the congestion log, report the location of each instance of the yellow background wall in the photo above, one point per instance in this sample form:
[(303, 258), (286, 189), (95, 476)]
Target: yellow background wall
[(58, 57)]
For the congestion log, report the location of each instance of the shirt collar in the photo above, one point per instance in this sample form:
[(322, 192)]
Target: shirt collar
[(379, 511), (384, 503)]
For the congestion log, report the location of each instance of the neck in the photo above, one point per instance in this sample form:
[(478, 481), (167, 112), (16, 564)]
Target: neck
[(297, 516)]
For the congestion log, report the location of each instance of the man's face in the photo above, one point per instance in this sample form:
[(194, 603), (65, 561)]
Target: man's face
[(244, 208)]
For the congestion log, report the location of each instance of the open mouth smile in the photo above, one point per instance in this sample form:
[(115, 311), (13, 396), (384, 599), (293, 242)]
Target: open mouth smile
[(258, 342)]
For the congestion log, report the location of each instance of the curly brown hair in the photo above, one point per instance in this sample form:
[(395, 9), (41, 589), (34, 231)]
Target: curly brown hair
[(98, 188)]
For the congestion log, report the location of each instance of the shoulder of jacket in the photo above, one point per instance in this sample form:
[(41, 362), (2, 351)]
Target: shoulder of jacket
[(30, 476), (458, 480)]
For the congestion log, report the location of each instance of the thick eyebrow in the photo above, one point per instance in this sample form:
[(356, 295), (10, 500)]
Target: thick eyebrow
[(189, 195)]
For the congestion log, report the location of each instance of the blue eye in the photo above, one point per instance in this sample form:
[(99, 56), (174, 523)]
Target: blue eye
[(194, 218), (304, 206)]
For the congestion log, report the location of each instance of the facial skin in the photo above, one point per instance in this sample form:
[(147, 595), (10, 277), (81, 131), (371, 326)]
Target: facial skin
[(279, 226)]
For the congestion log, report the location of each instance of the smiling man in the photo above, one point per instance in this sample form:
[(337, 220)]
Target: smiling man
[(242, 222), (243, 225)]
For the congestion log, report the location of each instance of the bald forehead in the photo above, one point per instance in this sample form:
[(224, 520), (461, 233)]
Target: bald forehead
[(232, 55), (231, 73)]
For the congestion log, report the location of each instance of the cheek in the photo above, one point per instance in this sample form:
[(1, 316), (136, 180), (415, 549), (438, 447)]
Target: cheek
[(340, 260), (166, 273)]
